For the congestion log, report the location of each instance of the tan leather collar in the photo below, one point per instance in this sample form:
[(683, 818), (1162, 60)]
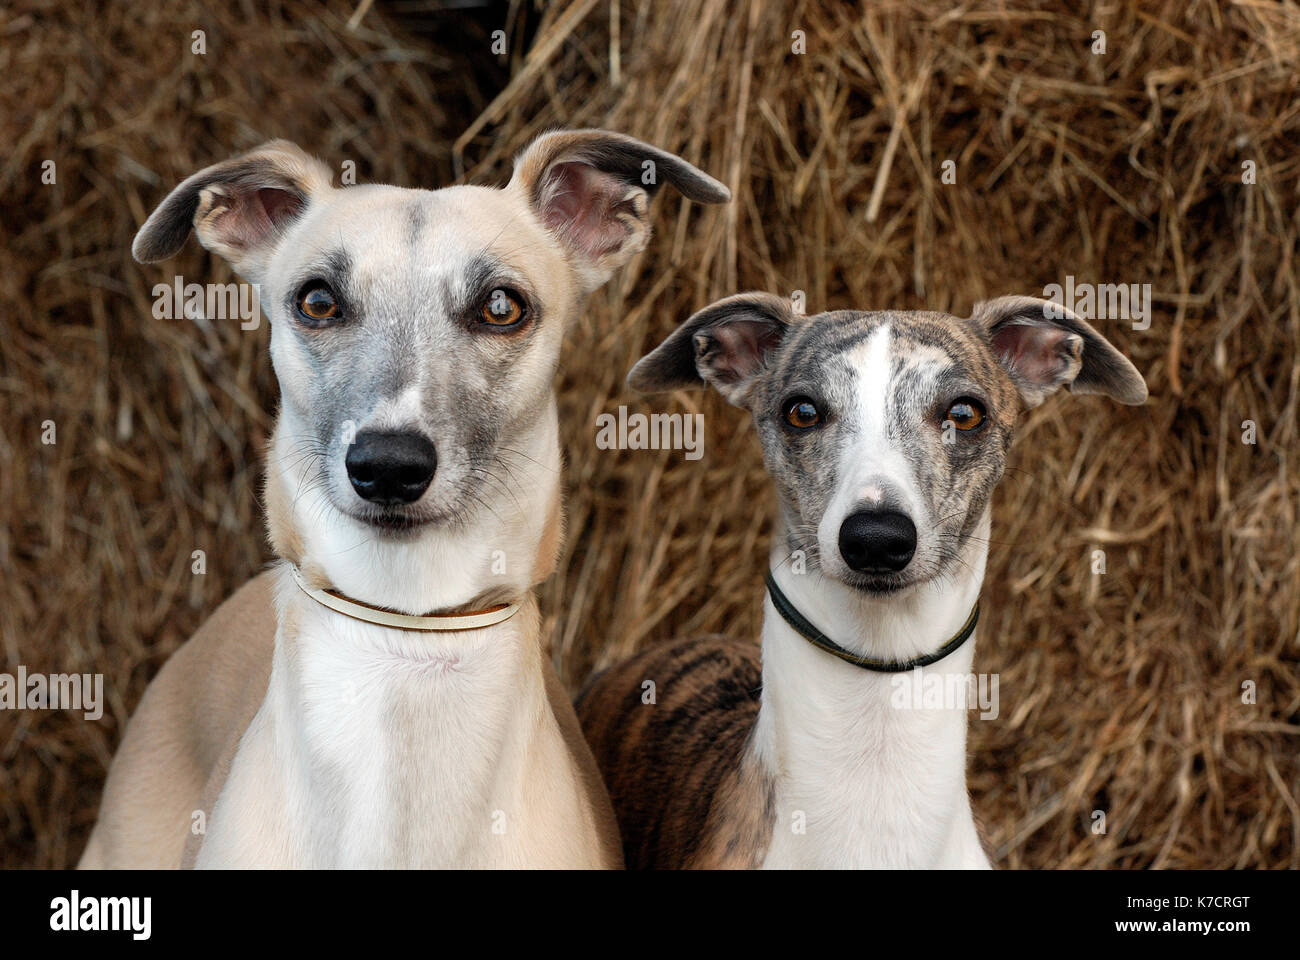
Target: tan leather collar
[(432, 623)]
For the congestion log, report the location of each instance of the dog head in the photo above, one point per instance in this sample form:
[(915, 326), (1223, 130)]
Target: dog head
[(886, 432), (415, 333)]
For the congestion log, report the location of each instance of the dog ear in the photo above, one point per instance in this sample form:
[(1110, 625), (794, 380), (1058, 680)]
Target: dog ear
[(239, 208), (723, 345), (591, 189), (1043, 346)]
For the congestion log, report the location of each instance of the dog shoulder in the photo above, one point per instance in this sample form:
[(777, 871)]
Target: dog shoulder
[(191, 714)]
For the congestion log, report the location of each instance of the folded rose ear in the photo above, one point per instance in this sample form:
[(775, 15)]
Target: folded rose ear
[(724, 345), (591, 189), (1043, 346), (238, 208)]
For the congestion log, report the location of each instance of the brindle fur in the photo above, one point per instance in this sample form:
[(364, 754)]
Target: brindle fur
[(684, 790)]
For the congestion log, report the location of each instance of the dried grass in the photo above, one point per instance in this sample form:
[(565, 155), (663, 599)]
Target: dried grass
[(1120, 692)]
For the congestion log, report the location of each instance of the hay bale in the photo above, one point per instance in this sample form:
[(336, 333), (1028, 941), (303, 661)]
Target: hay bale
[(1120, 693)]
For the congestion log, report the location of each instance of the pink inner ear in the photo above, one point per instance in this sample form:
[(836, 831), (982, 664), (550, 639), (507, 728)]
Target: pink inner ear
[(251, 216), (735, 350), (279, 205), (582, 204), (1033, 350)]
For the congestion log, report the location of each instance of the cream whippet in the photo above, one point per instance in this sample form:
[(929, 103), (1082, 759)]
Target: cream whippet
[(382, 697), (885, 434)]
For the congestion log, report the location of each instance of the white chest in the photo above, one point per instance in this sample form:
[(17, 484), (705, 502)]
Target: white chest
[(860, 780), (394, 751)]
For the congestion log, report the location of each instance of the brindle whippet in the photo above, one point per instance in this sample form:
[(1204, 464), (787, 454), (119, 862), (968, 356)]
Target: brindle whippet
[(885, 434), (322, 717)]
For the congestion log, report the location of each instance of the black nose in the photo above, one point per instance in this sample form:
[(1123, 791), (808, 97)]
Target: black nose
[(390, 468), (877, 541)]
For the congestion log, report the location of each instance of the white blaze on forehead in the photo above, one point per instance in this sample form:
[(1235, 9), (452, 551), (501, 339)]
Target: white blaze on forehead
[(871, 362), (873, 471)]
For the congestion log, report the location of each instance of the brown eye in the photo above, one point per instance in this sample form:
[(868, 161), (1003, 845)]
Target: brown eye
[(317, 304), (802, 413), (966, 413), (502, 308)]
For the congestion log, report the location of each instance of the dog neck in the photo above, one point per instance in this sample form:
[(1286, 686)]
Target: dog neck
[(862, 776), (383, 747)]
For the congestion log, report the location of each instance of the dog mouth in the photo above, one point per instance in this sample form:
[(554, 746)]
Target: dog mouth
[(392, 522), (882, 584), (879, 584), (925, 569)]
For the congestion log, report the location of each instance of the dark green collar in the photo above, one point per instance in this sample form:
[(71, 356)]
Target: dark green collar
[(799, 623)]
